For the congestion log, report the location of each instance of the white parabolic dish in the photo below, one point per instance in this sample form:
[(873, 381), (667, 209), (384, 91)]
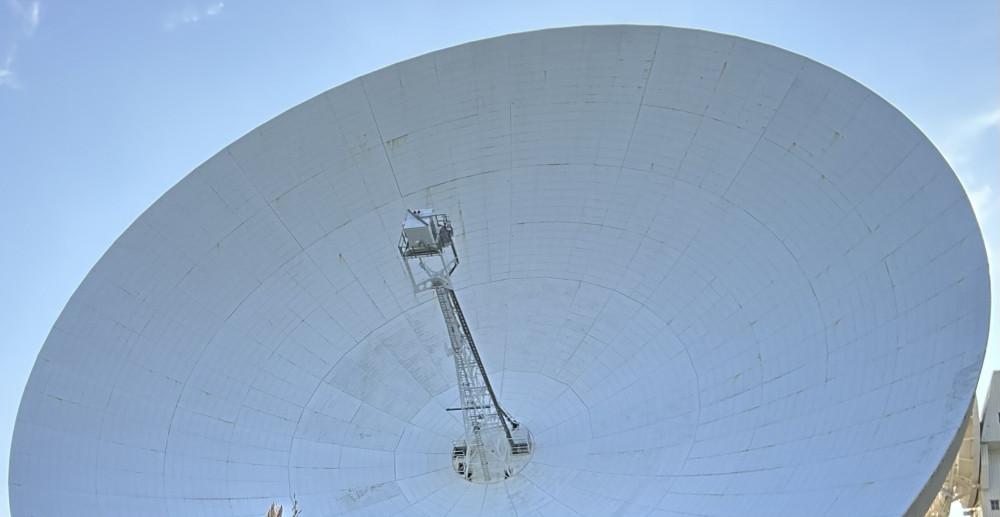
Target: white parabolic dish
[(712, 276)]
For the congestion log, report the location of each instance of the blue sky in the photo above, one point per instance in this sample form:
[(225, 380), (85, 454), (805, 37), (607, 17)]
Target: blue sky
[(105, 105)]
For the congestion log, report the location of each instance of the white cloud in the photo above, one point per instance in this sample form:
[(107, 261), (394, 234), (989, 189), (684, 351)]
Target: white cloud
[(970, 147), (33, 17), (7, 76), (984, 201), (192, 15), (963, 135), (29, 16)]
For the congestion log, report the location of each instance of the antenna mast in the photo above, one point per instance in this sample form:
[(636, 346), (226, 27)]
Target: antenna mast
[(494, 446)]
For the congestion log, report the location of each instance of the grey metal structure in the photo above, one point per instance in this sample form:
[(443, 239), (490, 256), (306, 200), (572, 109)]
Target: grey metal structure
[(715, 278), (494, 446)]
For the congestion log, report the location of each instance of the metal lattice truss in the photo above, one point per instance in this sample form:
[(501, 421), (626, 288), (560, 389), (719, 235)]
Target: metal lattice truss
[(494, 446)]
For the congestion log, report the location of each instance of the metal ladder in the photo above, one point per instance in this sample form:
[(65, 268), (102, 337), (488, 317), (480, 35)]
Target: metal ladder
[(471, 393)]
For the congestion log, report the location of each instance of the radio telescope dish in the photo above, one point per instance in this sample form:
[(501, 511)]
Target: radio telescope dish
[(711, 276)]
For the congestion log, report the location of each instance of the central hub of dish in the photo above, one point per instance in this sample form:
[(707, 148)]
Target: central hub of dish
[(490, 456)]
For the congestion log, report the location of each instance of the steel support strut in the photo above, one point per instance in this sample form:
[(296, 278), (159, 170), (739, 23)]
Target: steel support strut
[(427, 242)]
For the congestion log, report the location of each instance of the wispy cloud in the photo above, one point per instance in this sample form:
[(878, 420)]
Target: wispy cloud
[(191, 15), (964, 135), (28, 13), (7, 76), (27, 16), (984, 201), (970, 149)]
